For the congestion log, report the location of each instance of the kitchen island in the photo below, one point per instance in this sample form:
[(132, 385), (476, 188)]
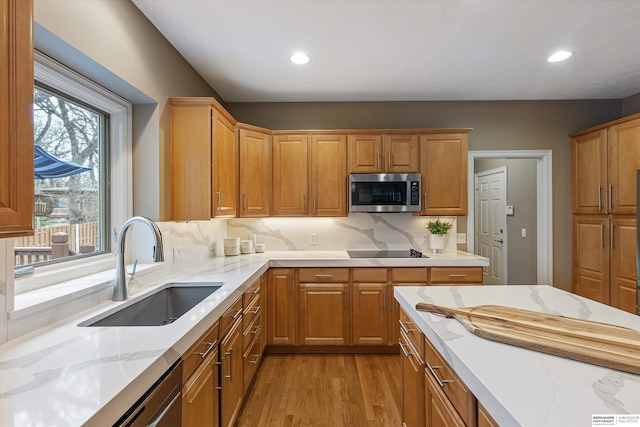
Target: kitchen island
[(67, 375), (520, 387)]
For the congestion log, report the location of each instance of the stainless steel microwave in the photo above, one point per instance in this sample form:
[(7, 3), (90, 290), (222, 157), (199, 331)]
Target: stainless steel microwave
[(384, 192)]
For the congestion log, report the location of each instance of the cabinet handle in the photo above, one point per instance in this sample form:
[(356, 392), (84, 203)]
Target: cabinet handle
[(610, 197), (244, 202), (378, 158), (219, 193), (406, 353), (255, 291), (256, 330), (384, 299), (290, 289), (424, 201), (433, 372), (457, 275), (204, 354), (599, 197), (315, 199), (345, 299), (230, 354), (254, 310), (601, 235), (255, 362), (327, 276), (235, 316), (303, 203), (389, 160), (403, 326), (611, 234)]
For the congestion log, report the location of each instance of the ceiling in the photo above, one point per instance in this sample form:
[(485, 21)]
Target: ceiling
[(406, 50)]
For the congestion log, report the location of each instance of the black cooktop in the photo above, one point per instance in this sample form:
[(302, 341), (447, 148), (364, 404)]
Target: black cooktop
[(383, 253)]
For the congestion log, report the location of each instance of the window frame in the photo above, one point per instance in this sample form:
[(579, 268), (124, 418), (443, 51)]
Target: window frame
[(61, 78)]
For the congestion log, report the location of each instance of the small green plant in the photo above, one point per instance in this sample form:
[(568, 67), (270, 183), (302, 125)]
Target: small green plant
[(439, 227)]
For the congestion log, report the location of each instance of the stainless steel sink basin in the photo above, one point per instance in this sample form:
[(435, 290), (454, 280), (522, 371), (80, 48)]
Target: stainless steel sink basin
[(162, 307)]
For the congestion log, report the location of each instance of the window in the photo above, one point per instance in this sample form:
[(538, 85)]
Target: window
[(82, 144)]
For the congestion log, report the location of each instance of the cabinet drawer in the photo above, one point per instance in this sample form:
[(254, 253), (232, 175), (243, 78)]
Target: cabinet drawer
[(251, 359), (251, 310), (251, 293), (370, 275), (413, 333), (321, 275), (456, 275), (230, 316), (456, 391), (410, 274), (439, 410), (207, 344), (251, 331)]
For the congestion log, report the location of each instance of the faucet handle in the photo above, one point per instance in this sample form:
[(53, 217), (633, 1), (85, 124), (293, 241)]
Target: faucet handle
[(133, 272)]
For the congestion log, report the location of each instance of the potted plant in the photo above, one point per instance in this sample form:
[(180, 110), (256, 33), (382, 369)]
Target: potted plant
[(438, 232)]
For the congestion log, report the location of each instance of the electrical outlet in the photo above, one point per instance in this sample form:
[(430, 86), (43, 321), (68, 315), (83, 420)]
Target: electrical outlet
[(313, 239), (178, 254), (524, 232), (461, 238)]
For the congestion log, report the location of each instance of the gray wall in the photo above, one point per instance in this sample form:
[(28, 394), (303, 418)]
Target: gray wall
[(631, 105), (521, 194)]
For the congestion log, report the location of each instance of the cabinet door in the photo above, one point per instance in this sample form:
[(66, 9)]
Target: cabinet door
[(443, 167), (324, 313), (365, 153), (413, 374), (255, 174), (589, 173), (232, 386), (225, 168), (16, 118), (401, 153), (290, 175), (623, 263), (484, 419), (328, 178), (370, 314), (624, 161), (590, 276), (200, 395), (281, 307), (438, 409)]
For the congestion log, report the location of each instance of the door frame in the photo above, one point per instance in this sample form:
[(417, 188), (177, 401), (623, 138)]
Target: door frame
[(504, 274), (544, 196)]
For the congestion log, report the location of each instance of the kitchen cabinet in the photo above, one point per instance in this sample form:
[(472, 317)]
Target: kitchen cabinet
[(328, 175), (443, 168), (253, 331), (371, 306), (204, 160), (16, 119), (281, 307), (324, 306), (384, 152), (454, 276), (404, 276), (231, 381), (290, 175), (200, 381), (412, 367), (484, 419), (604, 161), (438, 409), (254, 171)]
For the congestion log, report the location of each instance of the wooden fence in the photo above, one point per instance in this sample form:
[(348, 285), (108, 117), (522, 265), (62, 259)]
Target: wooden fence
[(81, 237)]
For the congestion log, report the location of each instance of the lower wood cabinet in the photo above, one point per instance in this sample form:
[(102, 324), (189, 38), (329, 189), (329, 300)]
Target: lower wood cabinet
[(412, 367), (324, 313), (370, 313), (200, 395), (484, 419), (281, 307), (231, 381), (438, 409)]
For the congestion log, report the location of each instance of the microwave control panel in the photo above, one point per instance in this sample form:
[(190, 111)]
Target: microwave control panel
[(415, 193)]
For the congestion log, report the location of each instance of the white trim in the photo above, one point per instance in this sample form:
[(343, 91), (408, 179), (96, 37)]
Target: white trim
[(544, 197), (504, 274), (53, 74)]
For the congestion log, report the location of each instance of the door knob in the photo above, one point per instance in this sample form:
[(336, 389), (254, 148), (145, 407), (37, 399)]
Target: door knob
[(499, 241)]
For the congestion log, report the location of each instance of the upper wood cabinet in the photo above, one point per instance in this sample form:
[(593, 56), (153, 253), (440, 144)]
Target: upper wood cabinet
[(624, 161), (309, 175), (204, 160), (589, 173), (328, 175), (376, 153), (443, 167), (16, 118), (255, 171)]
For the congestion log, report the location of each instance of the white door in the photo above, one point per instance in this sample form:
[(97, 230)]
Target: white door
[(491, 223)]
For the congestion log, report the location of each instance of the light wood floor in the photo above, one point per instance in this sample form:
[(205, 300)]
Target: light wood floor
[(325, 390)]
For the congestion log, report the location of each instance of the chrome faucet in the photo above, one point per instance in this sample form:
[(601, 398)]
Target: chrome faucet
[(121, 285)]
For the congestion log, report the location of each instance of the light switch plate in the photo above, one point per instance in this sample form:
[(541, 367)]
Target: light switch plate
[(509, 210), (461, 238)]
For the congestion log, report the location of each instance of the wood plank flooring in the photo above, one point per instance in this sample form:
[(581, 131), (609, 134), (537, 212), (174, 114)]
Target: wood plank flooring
[(325, 390)]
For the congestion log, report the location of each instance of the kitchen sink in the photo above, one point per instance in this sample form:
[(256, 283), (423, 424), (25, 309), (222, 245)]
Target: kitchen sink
[(162, 307)]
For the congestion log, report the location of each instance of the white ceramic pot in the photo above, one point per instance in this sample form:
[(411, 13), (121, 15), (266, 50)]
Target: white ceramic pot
[(437, 243)]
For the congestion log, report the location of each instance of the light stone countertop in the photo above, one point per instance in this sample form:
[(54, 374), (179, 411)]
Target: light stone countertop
[(66, 375), (521, 387)]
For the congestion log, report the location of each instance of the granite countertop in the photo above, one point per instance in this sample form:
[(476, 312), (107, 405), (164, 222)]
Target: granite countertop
[(519, 386), (66, 375)]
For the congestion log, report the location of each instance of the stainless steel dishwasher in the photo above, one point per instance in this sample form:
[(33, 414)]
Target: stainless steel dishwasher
[(161, 405)]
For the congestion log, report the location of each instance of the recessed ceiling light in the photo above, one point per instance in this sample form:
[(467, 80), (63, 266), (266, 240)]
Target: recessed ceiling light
[(560, 55), (299, 58)]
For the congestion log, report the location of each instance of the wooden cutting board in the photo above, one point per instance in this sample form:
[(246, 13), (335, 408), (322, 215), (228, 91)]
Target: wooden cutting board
[(600, 344)]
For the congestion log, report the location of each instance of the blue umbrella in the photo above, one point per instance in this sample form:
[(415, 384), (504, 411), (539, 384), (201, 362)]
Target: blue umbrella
[(49, 166)]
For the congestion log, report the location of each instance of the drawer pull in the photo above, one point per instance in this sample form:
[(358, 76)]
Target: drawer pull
[(208, 350), (457, 275), (324, 276), (238, 313), (433, 372), (230, 354), (403, 348), (255, 362), (404, 327), (256, 330), (256, 290), (254, 310)]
